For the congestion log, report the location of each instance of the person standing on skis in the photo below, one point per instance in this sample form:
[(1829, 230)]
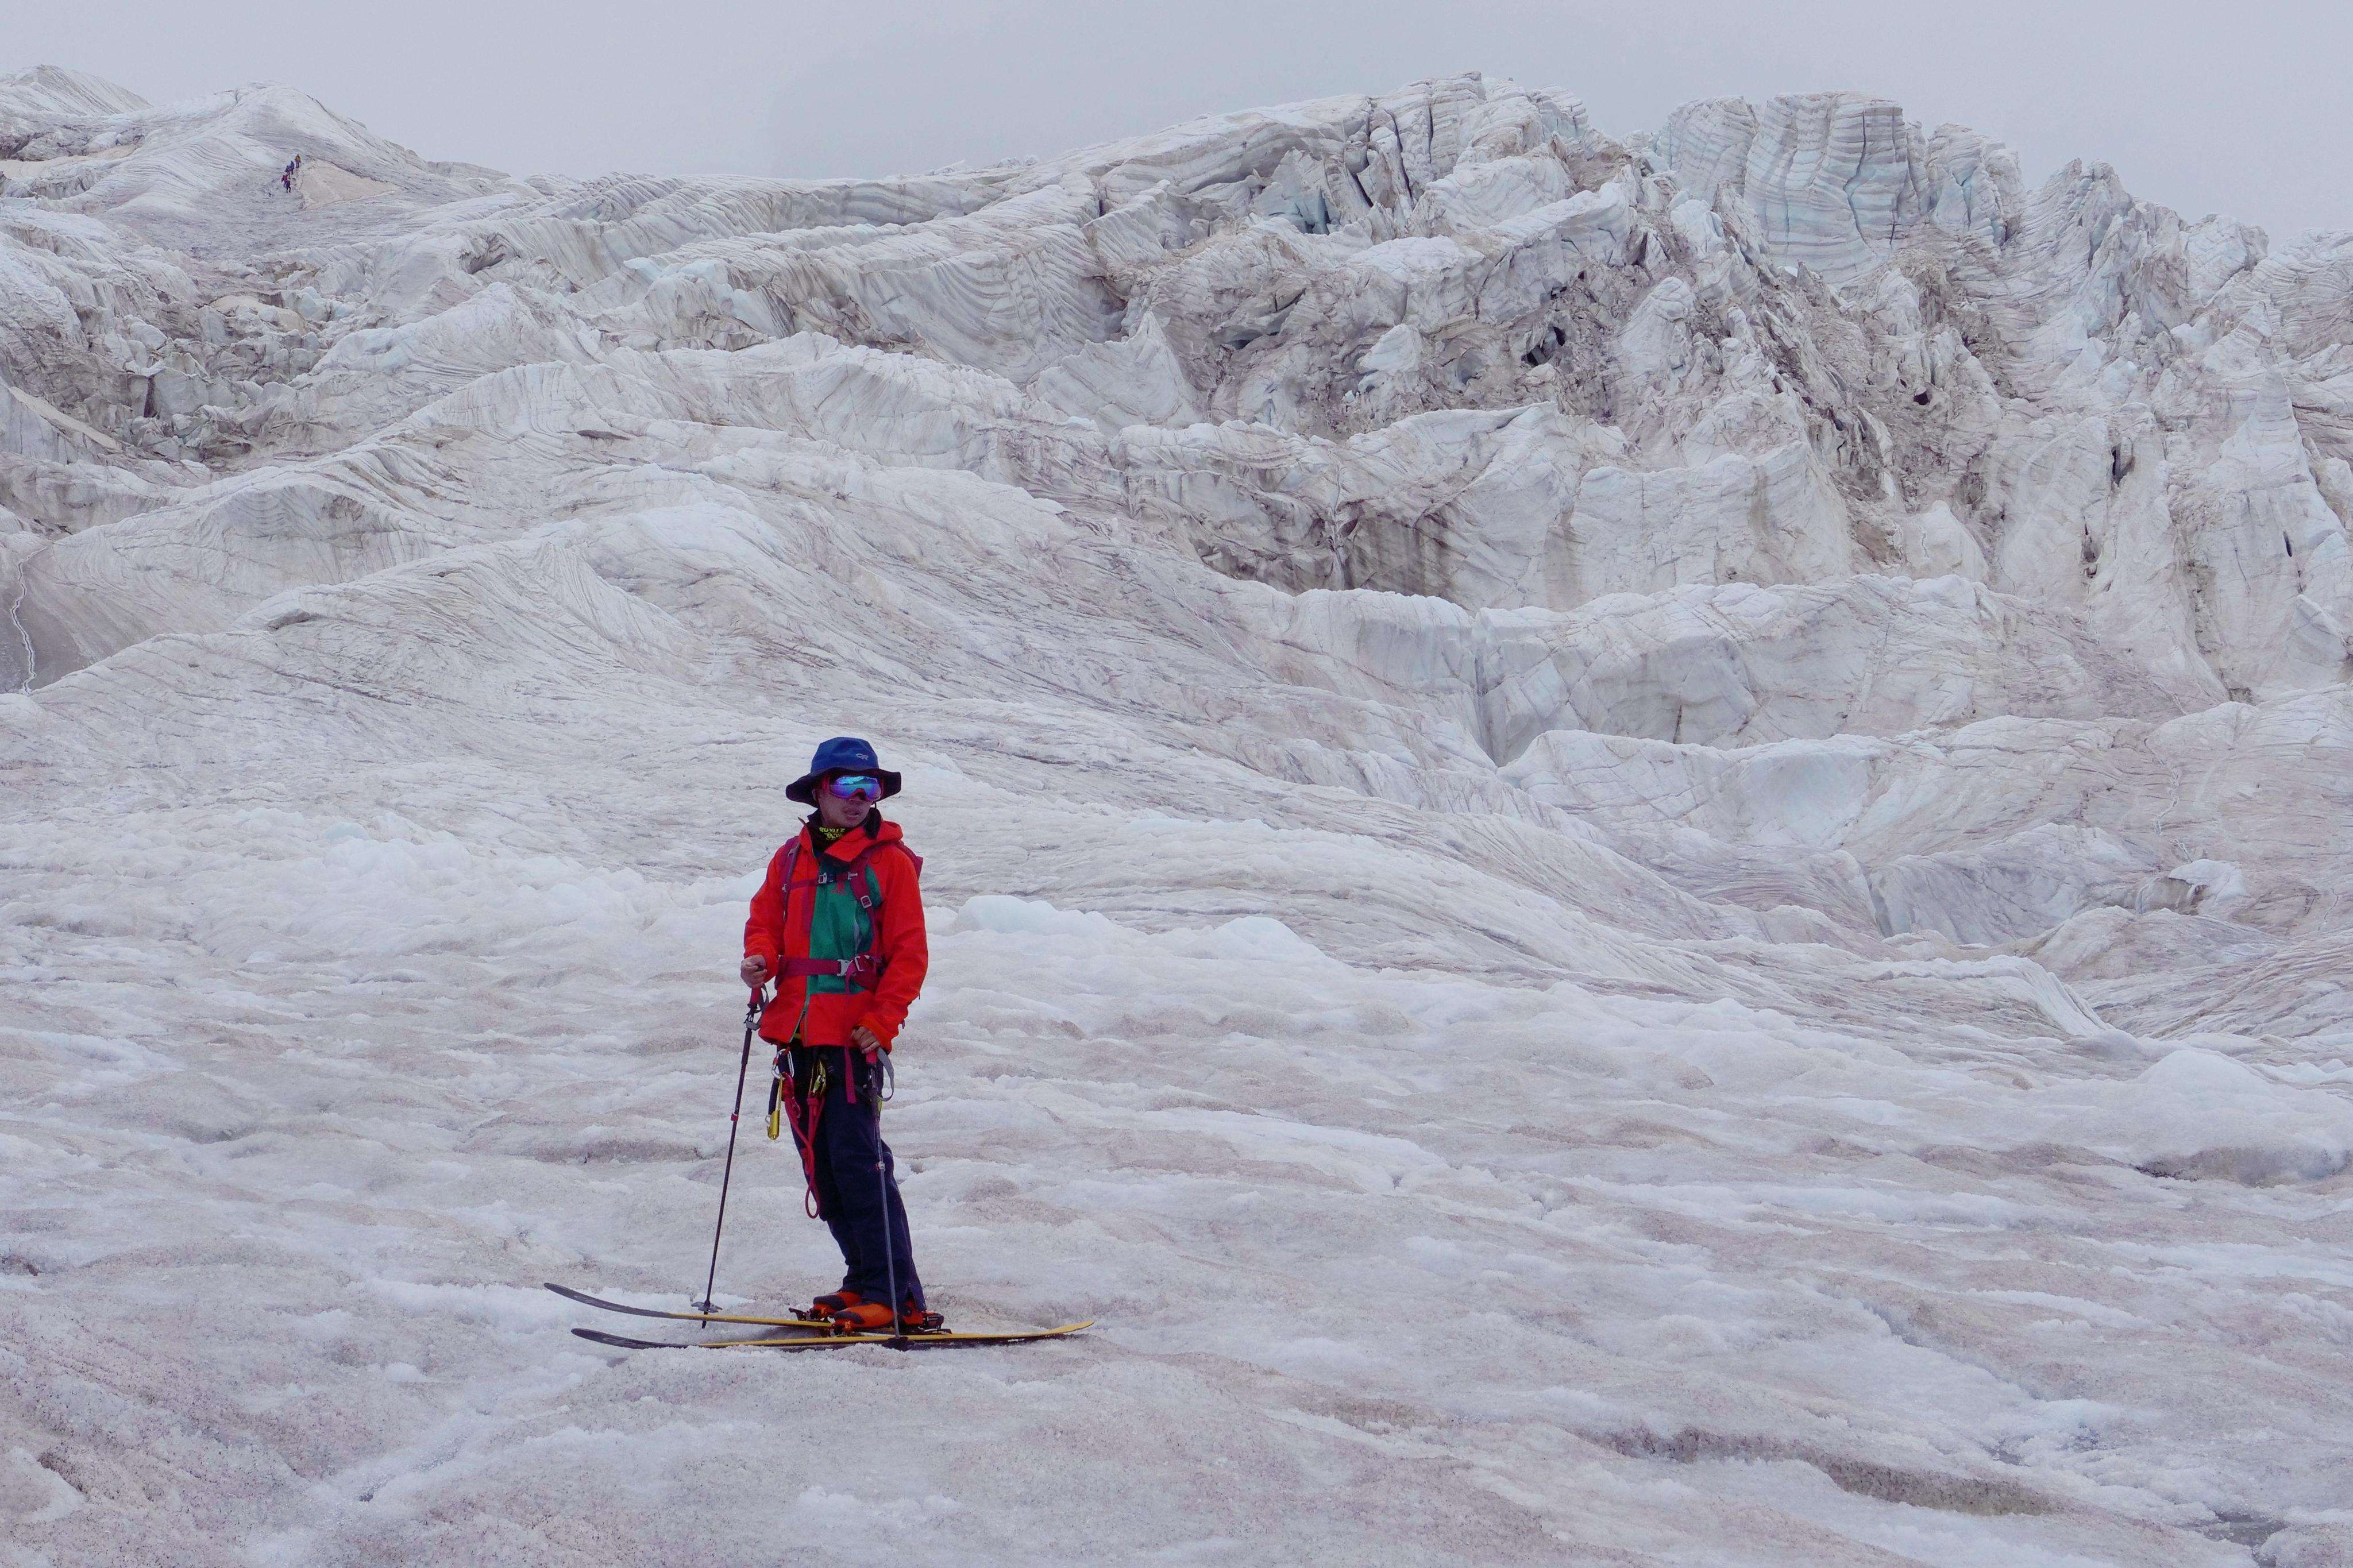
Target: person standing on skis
[(838, 924)]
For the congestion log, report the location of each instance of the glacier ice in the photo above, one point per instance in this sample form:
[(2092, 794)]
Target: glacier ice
[(1637, 844)]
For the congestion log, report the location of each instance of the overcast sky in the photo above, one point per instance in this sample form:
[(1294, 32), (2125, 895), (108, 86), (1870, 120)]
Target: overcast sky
[(2233, 107)]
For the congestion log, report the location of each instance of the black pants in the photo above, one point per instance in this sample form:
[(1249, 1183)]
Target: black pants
[(859, 1205)]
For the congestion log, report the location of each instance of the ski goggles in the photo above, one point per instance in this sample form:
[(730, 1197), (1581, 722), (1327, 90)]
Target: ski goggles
[(854, 787)]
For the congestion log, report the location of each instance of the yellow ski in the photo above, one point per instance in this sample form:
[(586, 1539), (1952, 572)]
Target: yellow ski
[(826, 1342)]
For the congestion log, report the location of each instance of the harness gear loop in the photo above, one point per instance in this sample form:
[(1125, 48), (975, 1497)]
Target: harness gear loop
[(801, 1071)]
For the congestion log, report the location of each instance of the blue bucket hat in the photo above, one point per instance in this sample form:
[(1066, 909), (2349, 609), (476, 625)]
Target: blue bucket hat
[(842, 754)]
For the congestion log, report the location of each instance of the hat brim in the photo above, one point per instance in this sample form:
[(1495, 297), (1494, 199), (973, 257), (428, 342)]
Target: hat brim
[(804, 788)]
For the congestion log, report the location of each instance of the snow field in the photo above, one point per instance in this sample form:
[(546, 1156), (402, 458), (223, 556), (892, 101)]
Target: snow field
[(1366, 1246)]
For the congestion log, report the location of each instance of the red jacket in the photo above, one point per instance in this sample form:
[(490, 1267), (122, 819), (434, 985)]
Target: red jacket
[(856, 904)]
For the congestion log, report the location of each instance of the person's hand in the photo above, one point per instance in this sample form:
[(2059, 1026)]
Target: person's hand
[(866, 1040), (754, 970)]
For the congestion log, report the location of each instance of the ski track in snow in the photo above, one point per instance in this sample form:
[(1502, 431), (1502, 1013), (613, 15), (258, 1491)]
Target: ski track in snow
[(1662, 995)]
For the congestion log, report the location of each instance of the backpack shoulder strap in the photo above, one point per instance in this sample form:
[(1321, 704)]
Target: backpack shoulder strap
[(784, 884), (860, 887)]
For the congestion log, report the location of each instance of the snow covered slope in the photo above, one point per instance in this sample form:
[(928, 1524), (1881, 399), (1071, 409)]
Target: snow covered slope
[(1636, 847)]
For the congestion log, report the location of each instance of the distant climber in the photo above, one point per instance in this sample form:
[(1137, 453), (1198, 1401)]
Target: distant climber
[(838, 924), (287, 177)]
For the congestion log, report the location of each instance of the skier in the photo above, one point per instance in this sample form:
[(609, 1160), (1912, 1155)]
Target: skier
[(838, 924)]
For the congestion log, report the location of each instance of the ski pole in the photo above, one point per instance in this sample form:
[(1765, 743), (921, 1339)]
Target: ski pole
[(751, 1022), (883, 1186)]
